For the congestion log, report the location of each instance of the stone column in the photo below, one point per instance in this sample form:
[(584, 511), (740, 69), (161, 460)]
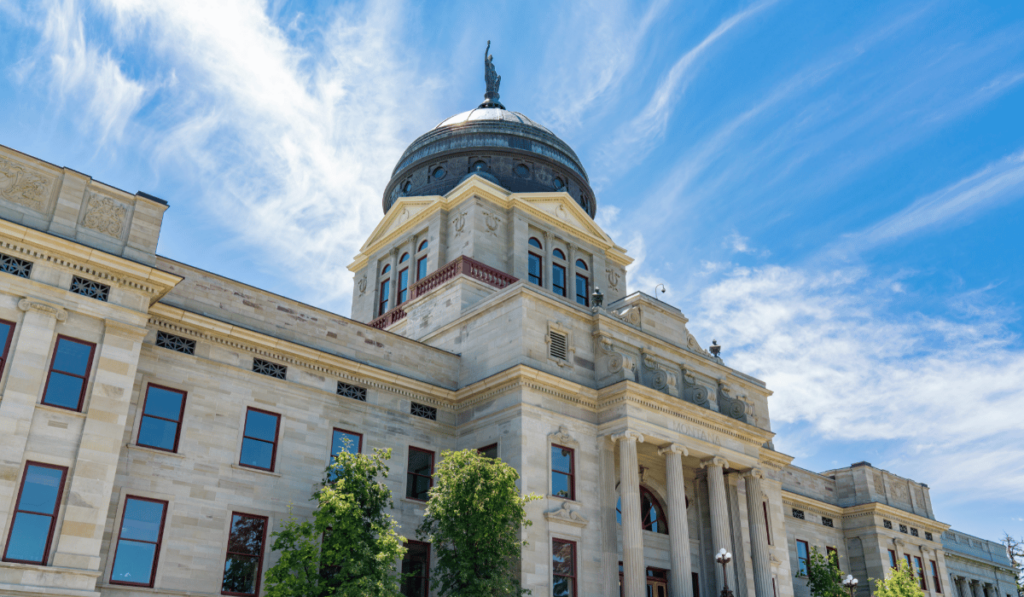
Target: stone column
[(634, 576), (976, 588), (570, 283), (758, 533), (719, 515), (678, 528), (961, 586)]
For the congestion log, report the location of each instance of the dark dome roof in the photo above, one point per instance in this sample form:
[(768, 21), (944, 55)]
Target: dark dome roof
[(520, 154)]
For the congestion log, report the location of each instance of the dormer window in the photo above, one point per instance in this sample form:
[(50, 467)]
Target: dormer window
[(536, 265), (582, 284), (385, 290)]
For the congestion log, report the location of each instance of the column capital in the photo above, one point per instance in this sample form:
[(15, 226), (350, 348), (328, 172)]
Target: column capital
[(674, 449), (629, 435), (44, 307), (716, 461), (755, 472)]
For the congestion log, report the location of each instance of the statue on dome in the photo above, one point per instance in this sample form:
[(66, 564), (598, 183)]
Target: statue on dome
[(492, 79)]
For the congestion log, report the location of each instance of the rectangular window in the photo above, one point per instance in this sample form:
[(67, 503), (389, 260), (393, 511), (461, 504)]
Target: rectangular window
[(919, 568), (244, 560), (563, 568), (910, 565), (829, 551), (558, 279), (162, 412), (802, 555), (416, 564), (138, 542), (419, 478), (892, 559), (69, 373), (535, 270), (403, 286), (259, 441), (563, 472), (582, 290), (767, 528), (385, 293), (347, 441), (490, 451), (695, 581), (421, 268), (935, 577), (35, 513), (6, 333)]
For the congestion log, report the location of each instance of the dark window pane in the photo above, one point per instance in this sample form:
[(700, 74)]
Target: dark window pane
[(5, 334), (535, 277), (562, 587), (535, 243), (240, 574), (72, 357), (403, 285), (421, 488), (561, 459), (246, 535), (490, 451), (142, 520), (581, 290), (41, 489), (343, 440), (163, 403), (257, 453), (420, 463), (558, 279), (157, 433), (134, 562), (28, 537), (261, 425), (560, 485), (421, 269), (63, 390)]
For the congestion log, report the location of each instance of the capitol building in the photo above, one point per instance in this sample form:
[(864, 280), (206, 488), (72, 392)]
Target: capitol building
[(157, 421)]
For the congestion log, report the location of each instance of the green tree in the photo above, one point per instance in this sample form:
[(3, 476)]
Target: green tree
[(823, 576), (474, 518), (900, 583), (351, 547)]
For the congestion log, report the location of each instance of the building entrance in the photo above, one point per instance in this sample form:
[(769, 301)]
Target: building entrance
[(657, 582)]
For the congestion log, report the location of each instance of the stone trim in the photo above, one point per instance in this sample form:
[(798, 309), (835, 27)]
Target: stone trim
[(44, 307)]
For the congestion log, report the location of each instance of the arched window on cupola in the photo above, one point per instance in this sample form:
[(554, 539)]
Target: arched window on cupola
[(652, 514), (536, 263)]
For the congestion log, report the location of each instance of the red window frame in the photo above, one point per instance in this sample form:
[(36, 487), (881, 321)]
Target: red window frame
[(425, 591), (421, 268), (158, 543), (263, 551), (586, 290), (423, 245), (277, 435), (559, 290), (575, 570), (181, 417), (359, 448), (84, 378), (571, 474), (767, 526), (935, 577), (409, 485), (385, 296), (802, 562), (484, 449), (540, 270), (920, 572), (403, 286), (53, 518), (7, 345), (892, 559)]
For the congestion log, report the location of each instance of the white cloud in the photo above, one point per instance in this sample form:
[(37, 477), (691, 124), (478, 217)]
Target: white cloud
[(738, 243)]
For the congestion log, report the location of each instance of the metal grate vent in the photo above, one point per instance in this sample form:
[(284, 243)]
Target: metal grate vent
[(798, 514), (268, 368), (559, 346), (827, 521), (903, 528), (928, 536), (100, 292), (422, 410), (351, 391), (914, 532), (887, 524), (15, 266), (175, 343)]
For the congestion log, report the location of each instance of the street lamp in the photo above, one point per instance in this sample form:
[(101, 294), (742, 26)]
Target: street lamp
[(850, 583), (724, 558)]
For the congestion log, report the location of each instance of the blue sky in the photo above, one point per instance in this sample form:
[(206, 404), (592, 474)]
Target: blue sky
[(831, 190)]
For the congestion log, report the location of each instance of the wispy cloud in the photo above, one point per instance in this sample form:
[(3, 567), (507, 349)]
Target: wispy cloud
[(738, 243)]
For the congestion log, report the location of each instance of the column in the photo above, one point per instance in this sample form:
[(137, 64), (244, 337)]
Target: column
[(976, 588), (961, 586), (545, 268), (719, 514), (393, 282), (570, 283), (634, 576), (680, 584), (758, 533)]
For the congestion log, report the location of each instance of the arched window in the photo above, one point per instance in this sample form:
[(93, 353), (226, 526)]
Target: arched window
[(652, 514), (387, 268), (423, 246), (558, 253), (581, 264), (535, 243), (405, 257), (536, 267)]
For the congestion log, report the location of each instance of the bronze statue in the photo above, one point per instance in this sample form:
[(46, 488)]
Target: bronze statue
[(493, 81)]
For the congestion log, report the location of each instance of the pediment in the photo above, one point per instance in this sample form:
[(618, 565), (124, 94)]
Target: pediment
[(402, 212), (563, 209)]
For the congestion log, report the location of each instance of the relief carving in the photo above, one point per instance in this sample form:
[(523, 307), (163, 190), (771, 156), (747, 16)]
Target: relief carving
[(727, 405), (694, 392), (492, 221), (104, 215), (362, 285), (562, 436), (613, 278), (612, 365), (22, 186), (567, 514), (55, 311), (900, 491), (655, 377), (630, 316), (459, 224)]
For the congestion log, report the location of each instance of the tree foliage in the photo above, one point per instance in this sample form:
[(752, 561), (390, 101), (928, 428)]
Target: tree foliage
[(351, 546), (1015, 551), (474, 518), (901, 582), (823, 576)]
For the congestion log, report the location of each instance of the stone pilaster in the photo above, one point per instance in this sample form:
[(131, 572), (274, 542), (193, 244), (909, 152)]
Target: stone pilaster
[(634, 583), (570, 283), (758, 534), (719, 515), (678, 527), (545, 267)]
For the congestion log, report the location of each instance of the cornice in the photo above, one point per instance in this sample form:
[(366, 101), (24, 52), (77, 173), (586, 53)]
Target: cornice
[(872, 509), (812, 505)]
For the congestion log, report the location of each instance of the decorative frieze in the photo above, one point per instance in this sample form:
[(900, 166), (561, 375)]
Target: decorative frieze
[(694, 392), (727, 405), (105, 215), (567, 513), (654, 376), (20, 185)]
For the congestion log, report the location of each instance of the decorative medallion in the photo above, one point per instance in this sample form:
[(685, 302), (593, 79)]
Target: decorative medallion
[(362, 285), (104, 215), (613, 278), (459, 224), (22, 186), (492, 221)]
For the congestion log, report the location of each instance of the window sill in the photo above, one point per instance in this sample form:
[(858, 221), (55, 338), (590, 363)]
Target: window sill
[(43, 567), (565, 499), (417, 503), (155, 451), (248, 469), (60, 410)]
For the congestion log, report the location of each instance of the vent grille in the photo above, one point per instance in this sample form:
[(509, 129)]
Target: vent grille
[(559, 346), (351, 391), (268, 368), (928, 536), (422, 410), (887, 524), (15, 266), (827, 521), (903, 528), (914, 532), (798, 514), (100, 292), (175, 343)]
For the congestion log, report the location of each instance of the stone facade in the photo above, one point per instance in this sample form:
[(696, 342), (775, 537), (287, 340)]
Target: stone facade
[(477, 355)]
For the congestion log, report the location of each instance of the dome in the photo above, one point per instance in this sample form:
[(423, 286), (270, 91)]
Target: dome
[(500, 145)]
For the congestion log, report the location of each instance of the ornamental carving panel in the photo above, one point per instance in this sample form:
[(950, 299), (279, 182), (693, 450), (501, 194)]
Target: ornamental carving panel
[(900, 491), (694, 392), (104, 215), (24, 187), (613, 278)]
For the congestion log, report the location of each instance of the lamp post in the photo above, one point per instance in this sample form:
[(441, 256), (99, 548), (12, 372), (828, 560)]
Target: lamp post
[(850, 583), (724, 558)]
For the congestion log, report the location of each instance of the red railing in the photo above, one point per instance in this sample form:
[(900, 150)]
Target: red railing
[(461, 265)]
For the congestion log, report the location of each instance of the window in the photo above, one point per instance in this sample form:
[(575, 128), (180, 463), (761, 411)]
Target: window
[(581, 264), (421, 268), (829, 552), (245, 555), (935, 577), (100, 292), (802, 555), (162, 412), (268, 368), (558, 279), (767, 526), (535, 274), (558, 254), (892, 559), (419, 478), (422, 247), (175, 343), (563, 472), (69, 373), (652, 515), (563, 568), (416, 564), (582, 290), (919, 568), (385, 292), (404, 258), (138, 542), (35, 513), (422, 410), (6, 334), (351, 391), (403, 286), (910, 565), (798, 514), (490, 451), (347, 441), (535, 243), (259, 441), (15, 266)]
